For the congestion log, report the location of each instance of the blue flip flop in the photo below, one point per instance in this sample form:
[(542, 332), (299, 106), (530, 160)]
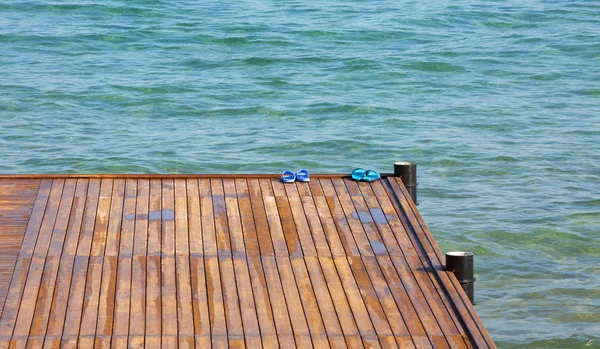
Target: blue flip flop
[(358, 174), (371, 176), (302, 176), (288, 176)]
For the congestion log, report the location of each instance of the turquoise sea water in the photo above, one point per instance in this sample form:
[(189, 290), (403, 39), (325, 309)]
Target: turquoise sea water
[(498, 102)]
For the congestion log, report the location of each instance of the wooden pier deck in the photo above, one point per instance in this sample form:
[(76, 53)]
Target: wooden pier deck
[(223, 261)]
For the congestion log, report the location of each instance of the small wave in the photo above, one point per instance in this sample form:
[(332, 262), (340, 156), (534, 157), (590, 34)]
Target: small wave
[(546, 77), (244, 40), (157, 89), (589, 92), (435, 67), (327, 108), (258, 61), (318, 147)]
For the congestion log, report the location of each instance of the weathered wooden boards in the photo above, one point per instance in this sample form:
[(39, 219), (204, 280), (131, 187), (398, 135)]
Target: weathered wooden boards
[(226, 261), (17, 197)]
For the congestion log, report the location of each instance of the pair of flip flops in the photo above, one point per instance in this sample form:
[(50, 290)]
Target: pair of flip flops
[(290, 177), (360, 174)]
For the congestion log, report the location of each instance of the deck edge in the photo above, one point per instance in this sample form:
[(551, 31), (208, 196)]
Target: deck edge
[(449, 282)]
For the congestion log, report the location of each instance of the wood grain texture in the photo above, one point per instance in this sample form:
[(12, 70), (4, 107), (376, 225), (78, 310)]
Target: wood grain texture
[(17, 199), (201, 261)]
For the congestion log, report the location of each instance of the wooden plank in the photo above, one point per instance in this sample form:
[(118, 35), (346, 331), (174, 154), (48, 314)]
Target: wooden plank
[(233, 315), (169, 300), (168, 276), (204, 187), (230, 300), (250, 237), (124, 268), (400, 311), (34, 277), (296, 311), (439, 303), (252, 335), (135, 341), (137, 315), (279, 187), (45, 235), (198, 285), (400, 279), (281, 316), (194, 218), (125, 247), (215, 302), (201, 315), (361, 315), (17, 200), (36, 219), (309, 303), (65, 271), (208, 221), (122, 302), (368, 215), (443, 318), (398, 272), (337, 216), (101, 191), (140, 241), (52, 343), (263, 303), (324, 301), (182, 240), (367, 225), (153, 301), (260, 219), (386, 219), (96, 238), (308, 223), (272, 214), (268, 334), (72, 318), (351, 216), (458, 300), (303, 188), (74, 306), (185, 314), (155, 218), (168, 218), (36, 332), (340, 302), (376, 294), (220, 217), (106, 302), (213, 279), (60, 227), (334, 243), (289, 228), (113, 236), (49, 276), (184, 294), (236, 235), (185, 342)]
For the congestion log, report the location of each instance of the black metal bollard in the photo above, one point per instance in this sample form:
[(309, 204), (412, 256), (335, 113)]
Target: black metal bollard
[(461, 264), (407, 171)]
